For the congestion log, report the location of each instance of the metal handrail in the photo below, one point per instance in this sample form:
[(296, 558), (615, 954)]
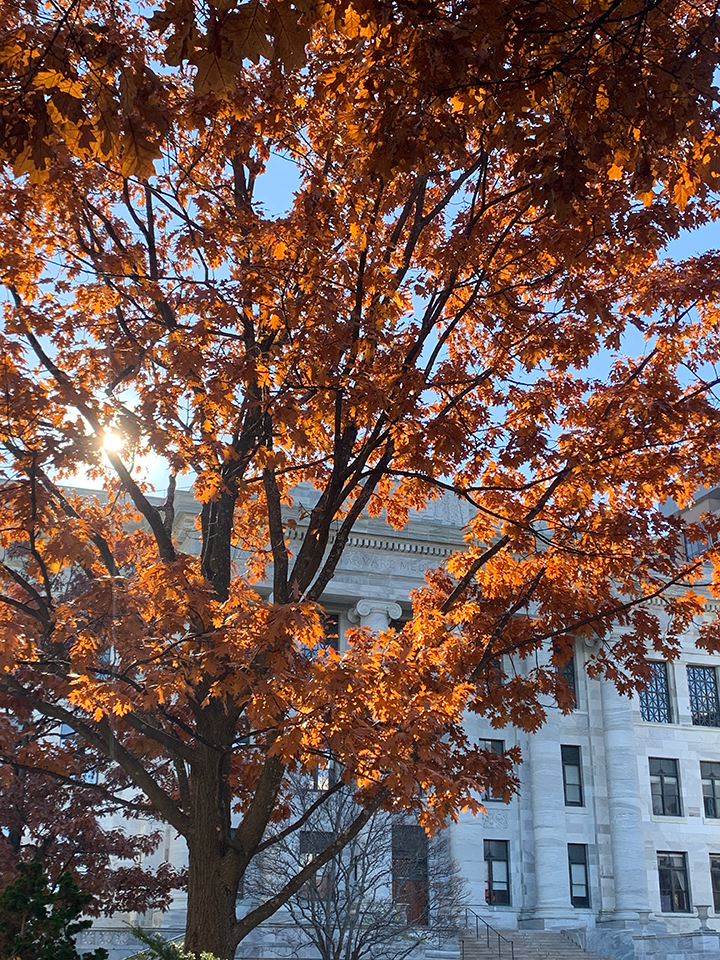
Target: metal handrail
[(488, 930)]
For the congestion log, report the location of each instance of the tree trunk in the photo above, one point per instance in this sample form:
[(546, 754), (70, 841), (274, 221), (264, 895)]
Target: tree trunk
[(213, 866), (211, 903)]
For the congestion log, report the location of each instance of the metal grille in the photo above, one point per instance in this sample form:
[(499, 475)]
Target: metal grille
[(702, 684), (655, 699)]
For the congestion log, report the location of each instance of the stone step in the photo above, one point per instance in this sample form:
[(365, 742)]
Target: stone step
[(526, 945)]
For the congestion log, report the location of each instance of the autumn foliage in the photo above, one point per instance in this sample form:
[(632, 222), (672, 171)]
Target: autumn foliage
[(466, 294)]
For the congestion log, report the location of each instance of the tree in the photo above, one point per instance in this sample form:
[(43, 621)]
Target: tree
[(66, 828), (38, 922), (484, 195), (388, 891)]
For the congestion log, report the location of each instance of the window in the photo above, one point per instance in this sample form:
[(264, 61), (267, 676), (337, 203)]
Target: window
[(715, 879), (704, 707), (693, 548), (331, 625), (494, 676), (572, 776), (312, 843), (710, 774), (664, 786), (324, 777), (577, 863), (655, 698), (410, 871), (567, 672), (497, 873), (493, 746), (674, 887)]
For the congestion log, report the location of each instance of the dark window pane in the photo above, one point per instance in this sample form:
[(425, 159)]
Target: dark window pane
[(497, 871), (567, 672), (331, 625), (493, 746), (674, 887), (702, 685), (579, 887), (410, 871), (664, 787), (715, 877), (710, 773), (494, 675), (572, 776), (313, 842), (655, 699)]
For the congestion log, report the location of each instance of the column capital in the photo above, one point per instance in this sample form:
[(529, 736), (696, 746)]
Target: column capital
[(369, 612)]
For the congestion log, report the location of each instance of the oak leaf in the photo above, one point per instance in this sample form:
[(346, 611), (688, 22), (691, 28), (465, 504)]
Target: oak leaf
[(247, 29), (215, 75)]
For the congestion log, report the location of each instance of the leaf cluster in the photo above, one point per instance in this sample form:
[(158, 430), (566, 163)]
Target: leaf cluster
[(39, 921)]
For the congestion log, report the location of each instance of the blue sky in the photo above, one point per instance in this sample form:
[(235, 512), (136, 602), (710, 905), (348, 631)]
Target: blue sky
[(274, 193)]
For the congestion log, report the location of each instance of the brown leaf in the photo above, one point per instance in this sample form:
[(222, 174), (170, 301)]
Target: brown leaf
[(247, 30), (290, 36), (215, 75)]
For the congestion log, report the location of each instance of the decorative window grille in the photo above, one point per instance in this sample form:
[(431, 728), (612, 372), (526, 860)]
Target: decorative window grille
[(710, 774), (497, 872), (664, 786), (655, 699), (674, 885), (579, 886), (704, 706)]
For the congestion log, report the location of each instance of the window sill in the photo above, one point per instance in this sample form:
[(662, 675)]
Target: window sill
[(658, 819), (684, 724)]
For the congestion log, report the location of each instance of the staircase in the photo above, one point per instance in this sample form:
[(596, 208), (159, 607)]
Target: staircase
[(526, 945)]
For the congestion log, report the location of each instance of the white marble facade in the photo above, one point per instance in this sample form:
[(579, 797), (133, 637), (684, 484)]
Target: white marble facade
[(613, 827)]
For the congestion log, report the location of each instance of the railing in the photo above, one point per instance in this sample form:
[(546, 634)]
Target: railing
[(489, 931)]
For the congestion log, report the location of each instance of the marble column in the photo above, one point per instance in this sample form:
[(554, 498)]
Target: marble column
[(375, 614), (626, 833), (552, 879)]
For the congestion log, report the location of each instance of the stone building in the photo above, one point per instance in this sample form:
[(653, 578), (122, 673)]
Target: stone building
[(614, 835)]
